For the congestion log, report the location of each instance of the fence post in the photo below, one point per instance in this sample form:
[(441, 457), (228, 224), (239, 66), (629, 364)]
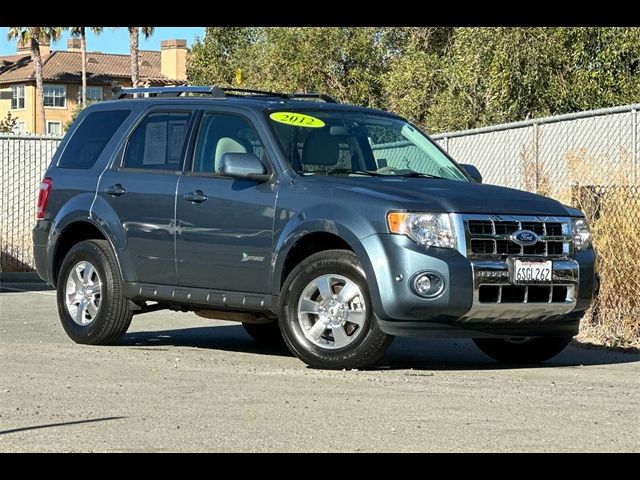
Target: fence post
[(446, 144), (634, 143), (535, 155)]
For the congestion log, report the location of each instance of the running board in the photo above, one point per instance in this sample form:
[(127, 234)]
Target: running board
[(198, 298)]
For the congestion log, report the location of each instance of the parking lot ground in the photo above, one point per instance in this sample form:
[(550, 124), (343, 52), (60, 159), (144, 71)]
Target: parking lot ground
[(177, 382)]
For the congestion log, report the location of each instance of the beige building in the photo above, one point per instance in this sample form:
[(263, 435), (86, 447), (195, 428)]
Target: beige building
[(63, 79)]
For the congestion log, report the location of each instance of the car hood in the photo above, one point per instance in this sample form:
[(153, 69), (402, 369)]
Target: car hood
[(439, 195)]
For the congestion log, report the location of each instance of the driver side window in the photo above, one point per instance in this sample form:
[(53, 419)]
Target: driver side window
[(220, 134)]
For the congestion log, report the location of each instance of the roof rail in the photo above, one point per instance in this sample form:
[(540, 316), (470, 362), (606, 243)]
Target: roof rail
[(177, 91), (257, 92), (320, 96), (215, 92)]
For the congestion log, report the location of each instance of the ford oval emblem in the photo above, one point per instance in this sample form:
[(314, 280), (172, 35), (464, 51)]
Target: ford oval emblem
[(524, 237)]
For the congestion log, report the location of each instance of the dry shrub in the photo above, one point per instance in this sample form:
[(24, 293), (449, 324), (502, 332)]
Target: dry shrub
[(16, 254), (534, 175), (612, 206)]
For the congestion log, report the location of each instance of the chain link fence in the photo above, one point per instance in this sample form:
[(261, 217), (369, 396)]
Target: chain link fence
[(587, 159), (549, 155), (23, 160)]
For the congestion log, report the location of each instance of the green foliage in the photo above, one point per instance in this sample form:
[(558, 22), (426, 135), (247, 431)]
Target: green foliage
[(216, 59), (74, 114), (8, 124), (440, 78)]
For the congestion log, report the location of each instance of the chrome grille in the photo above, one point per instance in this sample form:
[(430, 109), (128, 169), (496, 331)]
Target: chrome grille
[(490, 236)]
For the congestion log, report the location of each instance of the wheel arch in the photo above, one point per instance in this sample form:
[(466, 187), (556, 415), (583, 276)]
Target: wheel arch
[(72, 233), (312, 237)]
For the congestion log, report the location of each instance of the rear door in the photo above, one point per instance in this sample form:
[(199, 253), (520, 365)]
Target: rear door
[(224, 226), (141, 189)]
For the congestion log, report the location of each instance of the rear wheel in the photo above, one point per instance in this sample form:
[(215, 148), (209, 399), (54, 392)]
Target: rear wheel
[(523, 349), (264, 333), (327, 317), (91, 305)]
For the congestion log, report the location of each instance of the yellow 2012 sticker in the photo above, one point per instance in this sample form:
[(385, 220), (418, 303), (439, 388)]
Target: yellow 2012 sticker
[(297, 119)]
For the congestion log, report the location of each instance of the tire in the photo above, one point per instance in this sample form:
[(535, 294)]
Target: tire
[(113, 315), (354, 339), (265, 333), (531, 350)]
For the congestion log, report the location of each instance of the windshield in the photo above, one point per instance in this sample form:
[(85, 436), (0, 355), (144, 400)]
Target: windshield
[(318, 142)]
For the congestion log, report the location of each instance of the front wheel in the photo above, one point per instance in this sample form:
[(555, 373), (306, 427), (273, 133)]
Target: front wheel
[(522, 350), (327, 317)]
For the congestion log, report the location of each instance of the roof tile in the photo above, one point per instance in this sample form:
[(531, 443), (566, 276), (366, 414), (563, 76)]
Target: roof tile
[(66, 66)]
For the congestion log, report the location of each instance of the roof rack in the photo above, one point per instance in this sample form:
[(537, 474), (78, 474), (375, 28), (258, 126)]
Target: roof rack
[(177, 91), (215, 92), (319, 96), (255, 92)]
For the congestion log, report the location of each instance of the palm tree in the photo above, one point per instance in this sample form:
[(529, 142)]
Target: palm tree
[(133, 46), (81, 32), (35, 35)]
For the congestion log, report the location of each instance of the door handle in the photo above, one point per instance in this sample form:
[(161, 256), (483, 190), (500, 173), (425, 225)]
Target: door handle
[(116, 190), (195, 197)]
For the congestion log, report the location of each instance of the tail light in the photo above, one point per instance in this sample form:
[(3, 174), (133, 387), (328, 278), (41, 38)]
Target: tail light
[(43, 196)]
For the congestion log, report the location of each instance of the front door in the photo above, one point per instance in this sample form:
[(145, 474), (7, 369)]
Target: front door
[(224, 226), (141, 190)]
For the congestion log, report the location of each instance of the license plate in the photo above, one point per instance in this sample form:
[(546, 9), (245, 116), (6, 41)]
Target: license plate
[(528, 271)]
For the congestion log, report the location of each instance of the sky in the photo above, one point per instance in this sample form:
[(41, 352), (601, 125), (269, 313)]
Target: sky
[(114, 41)]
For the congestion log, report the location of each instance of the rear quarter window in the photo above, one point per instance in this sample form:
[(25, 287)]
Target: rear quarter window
[(90, 138)]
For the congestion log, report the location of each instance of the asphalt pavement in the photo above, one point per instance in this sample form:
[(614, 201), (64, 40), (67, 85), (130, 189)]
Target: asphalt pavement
[(177, 382)]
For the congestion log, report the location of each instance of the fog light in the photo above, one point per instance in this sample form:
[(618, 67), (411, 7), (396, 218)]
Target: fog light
[(427, 284)]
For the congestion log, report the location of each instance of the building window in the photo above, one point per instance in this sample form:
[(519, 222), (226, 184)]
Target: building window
[(94, 94), (20, 128), (55, 96), (54, 128), (17, 97)]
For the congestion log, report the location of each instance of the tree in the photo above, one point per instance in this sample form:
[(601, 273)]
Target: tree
[(81, 32), (414, 76), (439, 77), (496, 75), (343, 62), (35, 35), (8, 125), (134, 34), (222, 52)]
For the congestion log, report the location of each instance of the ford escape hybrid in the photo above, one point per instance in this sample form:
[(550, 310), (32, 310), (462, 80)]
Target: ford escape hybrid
[(330, 226)]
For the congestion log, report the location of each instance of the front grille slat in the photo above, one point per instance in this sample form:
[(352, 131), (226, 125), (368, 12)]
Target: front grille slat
[(523, 293), (480, 227), (490, 238), (507, 247), (506, 228)]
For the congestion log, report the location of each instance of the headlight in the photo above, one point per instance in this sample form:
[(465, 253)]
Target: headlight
[(429, 229), (581, 234)]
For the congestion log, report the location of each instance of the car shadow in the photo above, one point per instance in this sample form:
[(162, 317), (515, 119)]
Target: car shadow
[(231, 338), (404, 354), (462, 354)]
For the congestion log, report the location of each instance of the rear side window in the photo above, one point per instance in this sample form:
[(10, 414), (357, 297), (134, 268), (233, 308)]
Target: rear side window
[(90, 138), (158, 142)]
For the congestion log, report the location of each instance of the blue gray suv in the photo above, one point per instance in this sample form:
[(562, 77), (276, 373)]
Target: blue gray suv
[(329, 226)]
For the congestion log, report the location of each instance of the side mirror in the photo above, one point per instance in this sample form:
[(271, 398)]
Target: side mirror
[(472, 171), (243, 166)]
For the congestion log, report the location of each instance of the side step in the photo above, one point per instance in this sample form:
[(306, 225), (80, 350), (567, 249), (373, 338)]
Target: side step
[(199, 298)]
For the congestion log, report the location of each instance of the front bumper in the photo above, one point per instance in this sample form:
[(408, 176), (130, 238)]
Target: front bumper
[(458, 311)]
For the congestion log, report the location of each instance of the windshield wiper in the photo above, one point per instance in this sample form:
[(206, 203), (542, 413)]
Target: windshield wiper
[(417, 175), (339, 171)]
